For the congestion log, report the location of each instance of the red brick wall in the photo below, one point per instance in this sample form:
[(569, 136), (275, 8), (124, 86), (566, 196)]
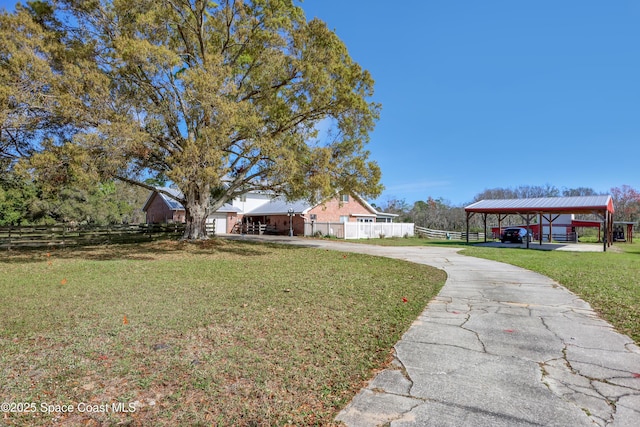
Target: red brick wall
[(282, 224), (158, 212), (333, 210)]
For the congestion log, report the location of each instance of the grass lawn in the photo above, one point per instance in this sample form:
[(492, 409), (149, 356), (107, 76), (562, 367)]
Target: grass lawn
[(221, 333), (609, 281)]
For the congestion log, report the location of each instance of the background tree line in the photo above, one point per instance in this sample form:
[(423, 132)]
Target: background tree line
[(440, 214)]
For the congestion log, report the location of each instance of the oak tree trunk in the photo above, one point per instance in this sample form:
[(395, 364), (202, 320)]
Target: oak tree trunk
[(197, 212)]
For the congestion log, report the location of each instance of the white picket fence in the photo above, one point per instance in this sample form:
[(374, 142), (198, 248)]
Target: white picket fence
[(360, 230), (371, 230)]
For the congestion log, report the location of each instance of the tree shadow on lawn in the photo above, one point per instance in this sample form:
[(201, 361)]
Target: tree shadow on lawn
[(148, 251)]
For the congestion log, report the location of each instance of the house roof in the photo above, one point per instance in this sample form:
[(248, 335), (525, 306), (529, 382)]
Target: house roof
[(280, 206), (374, 210), (172, 203), (175, 205), (579, 204)]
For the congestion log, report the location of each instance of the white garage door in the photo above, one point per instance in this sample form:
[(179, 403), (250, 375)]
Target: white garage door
[(220, 220)]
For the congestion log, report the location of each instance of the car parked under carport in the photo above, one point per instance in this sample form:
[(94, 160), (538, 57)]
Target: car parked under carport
[(514, 235)]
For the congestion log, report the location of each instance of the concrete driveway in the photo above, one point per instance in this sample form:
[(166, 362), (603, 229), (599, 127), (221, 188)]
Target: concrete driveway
[(498, 346)]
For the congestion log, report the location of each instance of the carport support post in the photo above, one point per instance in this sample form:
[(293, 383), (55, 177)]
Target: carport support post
[(605, 231), (527, 217), (540, 228), (484, 218)]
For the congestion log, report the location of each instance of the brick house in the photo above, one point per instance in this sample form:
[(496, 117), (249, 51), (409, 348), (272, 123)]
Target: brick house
[(264, 209), (343, 208), (162, 209)]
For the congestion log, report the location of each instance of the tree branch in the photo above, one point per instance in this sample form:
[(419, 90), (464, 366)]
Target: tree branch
[(150, 188)]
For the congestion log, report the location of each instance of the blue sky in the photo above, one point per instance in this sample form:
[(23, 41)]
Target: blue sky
[(496, 93), (486, 94)]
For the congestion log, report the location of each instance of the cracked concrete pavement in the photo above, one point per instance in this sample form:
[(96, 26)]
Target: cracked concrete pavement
[(498, 346)]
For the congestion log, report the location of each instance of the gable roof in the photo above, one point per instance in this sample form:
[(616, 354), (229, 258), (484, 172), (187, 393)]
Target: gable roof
[(280, 206), (578, 204), (175, 205), (374, 210)]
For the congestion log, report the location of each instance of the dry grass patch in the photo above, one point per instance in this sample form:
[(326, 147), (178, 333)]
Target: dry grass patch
[(223, 333)]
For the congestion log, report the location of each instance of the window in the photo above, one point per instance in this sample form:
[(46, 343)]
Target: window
[(344, 218), (344, 198), (365, 219)]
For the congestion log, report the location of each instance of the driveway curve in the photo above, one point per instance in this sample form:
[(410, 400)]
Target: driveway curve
[(498, 346)]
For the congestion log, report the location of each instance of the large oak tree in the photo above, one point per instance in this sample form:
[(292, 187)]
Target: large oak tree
[(221, 98)]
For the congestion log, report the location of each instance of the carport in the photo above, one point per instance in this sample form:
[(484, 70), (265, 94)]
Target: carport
[(548, 208)]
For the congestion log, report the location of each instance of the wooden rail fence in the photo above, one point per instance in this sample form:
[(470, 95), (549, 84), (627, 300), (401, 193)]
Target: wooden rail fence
[(447, 235), (69, 235)]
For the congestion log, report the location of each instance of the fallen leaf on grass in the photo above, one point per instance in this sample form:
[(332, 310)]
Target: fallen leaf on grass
[(160, 346), (125, 321), (63, 281)]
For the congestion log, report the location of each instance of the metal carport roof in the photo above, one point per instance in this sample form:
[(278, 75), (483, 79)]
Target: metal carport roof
[(579, 204), (527, 208)]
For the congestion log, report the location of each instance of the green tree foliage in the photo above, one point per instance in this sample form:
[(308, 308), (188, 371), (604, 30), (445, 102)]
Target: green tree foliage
[(16, 199), (24, 76), (24, 202), (220, 98), (46, 80)]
